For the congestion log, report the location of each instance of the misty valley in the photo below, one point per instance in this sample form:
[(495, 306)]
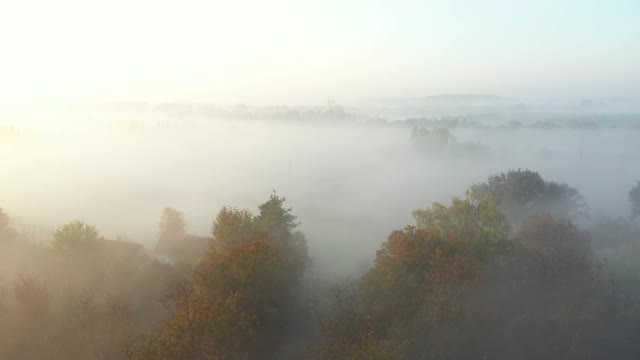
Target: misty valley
[(176, 231), (319, 180)]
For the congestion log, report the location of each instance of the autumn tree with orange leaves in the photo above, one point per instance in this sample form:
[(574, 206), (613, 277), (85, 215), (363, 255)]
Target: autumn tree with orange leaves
[(461, 285), (417, 285), (238, 302)]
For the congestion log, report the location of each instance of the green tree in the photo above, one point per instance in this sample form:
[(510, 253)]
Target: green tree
[(76, 236), (481, 221), (275, 219), (521, 193)]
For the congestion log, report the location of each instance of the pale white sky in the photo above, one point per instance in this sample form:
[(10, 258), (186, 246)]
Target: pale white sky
[(305, 52)]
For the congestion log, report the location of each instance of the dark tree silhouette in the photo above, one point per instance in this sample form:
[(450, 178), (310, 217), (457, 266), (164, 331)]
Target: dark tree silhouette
[(521, 193)]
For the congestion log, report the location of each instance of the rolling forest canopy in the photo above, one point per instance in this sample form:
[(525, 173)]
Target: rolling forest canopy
[(319, 180), (521, 193), (504, 272)]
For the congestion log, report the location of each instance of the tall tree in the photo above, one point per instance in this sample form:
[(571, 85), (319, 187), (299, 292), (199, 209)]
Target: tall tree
[(171, 231), (238, 302), (172, 223)]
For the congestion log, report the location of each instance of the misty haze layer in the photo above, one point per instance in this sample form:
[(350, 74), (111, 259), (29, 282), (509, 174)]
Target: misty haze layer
[(350, 182)]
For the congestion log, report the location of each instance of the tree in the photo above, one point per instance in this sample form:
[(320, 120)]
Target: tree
[(480, 221), (76, 236), (634, 199), (232, 227), (240, 299), (544, 233), (31, 293), (434, 141), (171, 231), (172, 224), (521, 193), (459, 286), (550, 297), (407, 304), (275, 219), (349, 333), (61, 325)]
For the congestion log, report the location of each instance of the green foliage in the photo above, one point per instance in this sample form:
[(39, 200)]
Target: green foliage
[(76, 236), (275, 219), (479, 221), (520, 187), (521, 193)]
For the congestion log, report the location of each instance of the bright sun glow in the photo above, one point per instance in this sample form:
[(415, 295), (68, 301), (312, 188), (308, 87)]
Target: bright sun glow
[(307, 52)]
